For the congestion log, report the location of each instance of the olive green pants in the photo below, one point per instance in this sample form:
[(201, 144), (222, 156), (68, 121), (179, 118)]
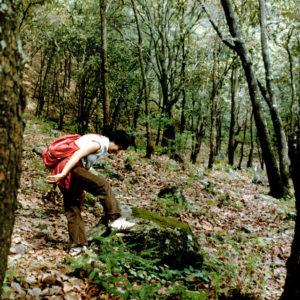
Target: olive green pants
[(81, 181)]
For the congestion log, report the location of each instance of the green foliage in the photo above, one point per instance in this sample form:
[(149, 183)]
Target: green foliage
[(10, 273), (222, 266), (210, 188), (170, 206), (39, 124), (126, 275)]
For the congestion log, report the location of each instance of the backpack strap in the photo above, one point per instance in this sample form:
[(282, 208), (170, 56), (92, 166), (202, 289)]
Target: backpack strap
[(52, 156)]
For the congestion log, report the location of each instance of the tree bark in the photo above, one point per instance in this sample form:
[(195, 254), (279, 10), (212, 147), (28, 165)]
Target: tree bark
[(276, 119), (149, 148), (104, 90), (233, 113), (242, 146), (292, 287), (212, 137), (12, 103), (277, 189), (293, 85), (250, 157)]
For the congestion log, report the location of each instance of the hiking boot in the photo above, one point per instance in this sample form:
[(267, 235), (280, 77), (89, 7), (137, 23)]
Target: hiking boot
[(121, 224)]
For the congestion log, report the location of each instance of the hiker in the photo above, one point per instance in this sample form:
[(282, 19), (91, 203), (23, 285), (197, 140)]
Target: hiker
[(74, 180)]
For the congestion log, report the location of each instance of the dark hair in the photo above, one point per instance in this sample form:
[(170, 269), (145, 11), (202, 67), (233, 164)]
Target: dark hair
[(121, 138)]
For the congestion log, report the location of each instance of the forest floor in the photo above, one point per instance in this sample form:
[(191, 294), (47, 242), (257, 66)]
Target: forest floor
[(245, 232)]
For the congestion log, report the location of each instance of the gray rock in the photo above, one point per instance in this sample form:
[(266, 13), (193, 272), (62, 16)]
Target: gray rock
[(234, 174), (17, 288), (99, 230), (174, 242), (258, 179), (38, 150), (264, 198), (19, 249), (30, 279), (200, 172), (36, 292), (173, 165), (55, 132), (220, 156), (204, 181)]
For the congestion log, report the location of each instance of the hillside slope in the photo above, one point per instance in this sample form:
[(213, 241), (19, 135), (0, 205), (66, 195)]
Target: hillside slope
[(244, 232)]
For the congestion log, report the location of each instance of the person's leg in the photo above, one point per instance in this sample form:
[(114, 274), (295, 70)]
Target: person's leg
[(98, 187), (73, 199)]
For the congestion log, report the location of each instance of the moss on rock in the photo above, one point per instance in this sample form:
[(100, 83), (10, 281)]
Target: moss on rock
[(160, 220), (173, 241)]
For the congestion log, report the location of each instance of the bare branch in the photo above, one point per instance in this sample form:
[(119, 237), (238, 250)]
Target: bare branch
[(215, 26)]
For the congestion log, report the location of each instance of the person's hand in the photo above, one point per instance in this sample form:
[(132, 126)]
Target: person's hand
[(54, 178)]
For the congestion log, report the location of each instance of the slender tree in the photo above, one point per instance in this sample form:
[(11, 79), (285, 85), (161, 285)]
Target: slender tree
[(105, 95), (293, 85), (212, 136), (11, 126), (233, 113), (277, 189), (276, 119), (149, 149), (292, 287)]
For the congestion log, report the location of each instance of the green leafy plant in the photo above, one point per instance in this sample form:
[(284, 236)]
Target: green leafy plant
[(124, 274)]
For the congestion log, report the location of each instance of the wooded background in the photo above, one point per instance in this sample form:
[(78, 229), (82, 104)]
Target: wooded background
[(175, 74)]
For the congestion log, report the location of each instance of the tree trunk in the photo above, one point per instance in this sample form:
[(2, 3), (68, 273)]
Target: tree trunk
[(293, 85), (104, 90), (200, 133), (12, 103), (242, 146), (250, 157), (212, 138), (149, 148), (183, 67), (292, 287), (233, 113), (276, 119), (219, 132), (43, 87), (277, 189)]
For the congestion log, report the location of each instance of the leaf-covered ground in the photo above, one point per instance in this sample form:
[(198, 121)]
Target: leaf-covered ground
[(245, 233)]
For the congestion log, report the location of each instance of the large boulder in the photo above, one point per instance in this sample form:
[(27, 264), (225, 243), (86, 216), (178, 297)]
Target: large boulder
[(173, 241)]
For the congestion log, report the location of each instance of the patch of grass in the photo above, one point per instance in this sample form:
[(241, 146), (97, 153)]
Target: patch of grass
[(39, 124)]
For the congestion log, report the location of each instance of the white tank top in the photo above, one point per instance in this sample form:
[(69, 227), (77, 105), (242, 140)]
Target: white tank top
[(94, 158)]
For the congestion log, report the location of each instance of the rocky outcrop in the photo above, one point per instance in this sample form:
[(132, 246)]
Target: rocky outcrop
[(172, 241)]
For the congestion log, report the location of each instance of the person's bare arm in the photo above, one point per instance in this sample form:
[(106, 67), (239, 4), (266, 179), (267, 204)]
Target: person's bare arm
[(92, 147)]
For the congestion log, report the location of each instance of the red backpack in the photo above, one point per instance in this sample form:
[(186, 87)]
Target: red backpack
[(59, 149)]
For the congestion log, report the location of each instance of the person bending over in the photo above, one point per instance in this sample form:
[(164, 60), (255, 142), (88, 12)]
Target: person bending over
[(74, 180)]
